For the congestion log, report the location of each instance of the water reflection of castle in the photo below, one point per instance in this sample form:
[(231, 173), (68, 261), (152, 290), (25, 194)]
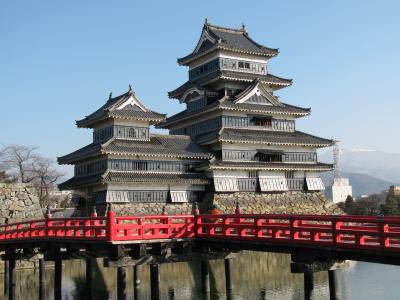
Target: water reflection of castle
[(235, 134)]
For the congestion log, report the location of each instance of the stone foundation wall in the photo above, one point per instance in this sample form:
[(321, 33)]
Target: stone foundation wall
[(19, 202), (273, 203), (141, 209), (250, 202)]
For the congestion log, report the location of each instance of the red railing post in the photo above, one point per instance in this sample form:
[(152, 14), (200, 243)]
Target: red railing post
[(7, 230), (195, 213), (94, 222), (382, 238), (237, 209), (292, 225), (110, 224), (48, 222)]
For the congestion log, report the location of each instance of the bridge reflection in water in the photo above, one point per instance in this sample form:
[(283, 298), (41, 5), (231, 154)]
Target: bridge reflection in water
[(257, 276)]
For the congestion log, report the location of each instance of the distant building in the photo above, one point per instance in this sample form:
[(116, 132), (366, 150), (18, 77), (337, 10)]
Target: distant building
[(394, 190), (341, 187)]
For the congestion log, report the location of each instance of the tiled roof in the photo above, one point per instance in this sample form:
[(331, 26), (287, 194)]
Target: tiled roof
[(159, 145), (236, 40), (226, 104), (126, 176), (76, 182), (109, 109), (133, 176), (267, 137), (177, 146), (270, 166), (259, 108), (85, 152), (231, 76)]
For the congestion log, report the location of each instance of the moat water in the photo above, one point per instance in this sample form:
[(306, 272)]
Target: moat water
[(256, 276)]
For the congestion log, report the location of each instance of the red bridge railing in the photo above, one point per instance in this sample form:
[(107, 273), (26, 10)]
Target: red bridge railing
[(371, 233), (368, 233)]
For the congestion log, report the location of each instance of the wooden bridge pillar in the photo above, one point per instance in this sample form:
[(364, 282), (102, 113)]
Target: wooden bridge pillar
[(42, 281), (228, 275), (308, 285), (89, 278), (136, 282), (12, 278), (121, 282), (6, 276), (155, 281), (58, 278), (205, 276), (333, 285)]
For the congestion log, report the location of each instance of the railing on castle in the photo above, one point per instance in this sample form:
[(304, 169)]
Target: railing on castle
[(381, 234)]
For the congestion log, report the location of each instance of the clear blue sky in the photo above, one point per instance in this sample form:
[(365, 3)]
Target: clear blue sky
[(60, 59)]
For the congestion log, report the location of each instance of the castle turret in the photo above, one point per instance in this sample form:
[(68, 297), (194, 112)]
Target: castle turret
[(125, 163), (232, 109)]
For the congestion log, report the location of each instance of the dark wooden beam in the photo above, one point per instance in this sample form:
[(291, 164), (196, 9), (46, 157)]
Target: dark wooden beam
[(333, 285), (308, 285), (121, 282), (12, 279), (42, 279), (155, 281), (58, 278), (205, 276), (228, 275), (89, 278), (136, 281), (6, 276)]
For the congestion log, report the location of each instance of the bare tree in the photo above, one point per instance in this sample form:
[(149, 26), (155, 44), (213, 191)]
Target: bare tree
[(45, 175), (18, 160)]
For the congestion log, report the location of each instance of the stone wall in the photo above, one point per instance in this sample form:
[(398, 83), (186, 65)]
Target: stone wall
[(19, 202), (273, 203), (250, 202), (141, 209)]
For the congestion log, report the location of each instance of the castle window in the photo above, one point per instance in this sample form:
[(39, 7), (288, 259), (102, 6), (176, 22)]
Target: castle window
[(257, 121), (131, 133)]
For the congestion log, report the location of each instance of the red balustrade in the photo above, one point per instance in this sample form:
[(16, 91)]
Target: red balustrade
[(370, 233), (358, 232)]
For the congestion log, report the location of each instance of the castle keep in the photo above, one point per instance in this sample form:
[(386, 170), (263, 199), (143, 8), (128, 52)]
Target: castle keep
[(234, 135)]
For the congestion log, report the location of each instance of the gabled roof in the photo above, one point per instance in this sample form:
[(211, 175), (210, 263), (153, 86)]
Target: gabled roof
[(125, 106), (174, 146), (264, 137), (222, 38), (259, 90), (272, 80)]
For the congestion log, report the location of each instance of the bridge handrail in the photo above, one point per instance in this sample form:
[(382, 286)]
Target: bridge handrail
[(364, 232)]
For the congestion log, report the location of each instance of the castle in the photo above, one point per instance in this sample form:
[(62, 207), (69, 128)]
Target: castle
[(234, 136)]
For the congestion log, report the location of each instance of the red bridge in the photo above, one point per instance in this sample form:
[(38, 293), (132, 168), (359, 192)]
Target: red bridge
[(380, 235), (133, 240)]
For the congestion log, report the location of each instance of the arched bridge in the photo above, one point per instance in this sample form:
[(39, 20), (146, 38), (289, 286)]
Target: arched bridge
[(314, 241)]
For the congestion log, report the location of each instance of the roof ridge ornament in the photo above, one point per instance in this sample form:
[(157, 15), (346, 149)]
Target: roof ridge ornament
[(110, 96), (206, 21), (130, 91)]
